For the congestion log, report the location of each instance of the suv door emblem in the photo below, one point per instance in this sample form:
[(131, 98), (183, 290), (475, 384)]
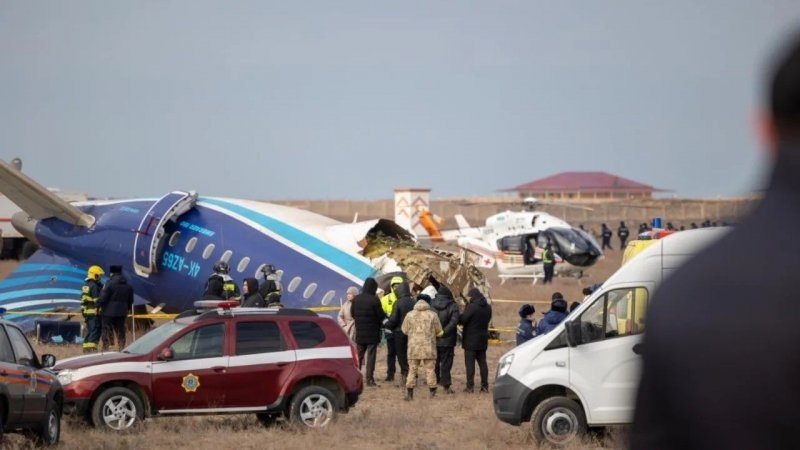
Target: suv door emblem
[(190, 382)]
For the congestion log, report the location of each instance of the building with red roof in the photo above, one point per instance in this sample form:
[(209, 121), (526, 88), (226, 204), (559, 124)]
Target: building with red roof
[(585, 186)]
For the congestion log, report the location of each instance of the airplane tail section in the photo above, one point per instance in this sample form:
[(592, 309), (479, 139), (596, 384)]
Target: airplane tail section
[(44, 286), (36, 200)]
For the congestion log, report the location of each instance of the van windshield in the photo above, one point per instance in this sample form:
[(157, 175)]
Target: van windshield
[(152, 339)]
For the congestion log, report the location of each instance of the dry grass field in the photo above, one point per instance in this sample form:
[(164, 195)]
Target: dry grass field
[(380, 420)]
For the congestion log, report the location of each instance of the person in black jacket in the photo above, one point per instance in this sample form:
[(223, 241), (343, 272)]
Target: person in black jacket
[(606, 234), (116, 301), (368, 316), (705, 383), (446, 308), (213, 289), (475, 340), (251, 298), (622, 234), (402, 306)]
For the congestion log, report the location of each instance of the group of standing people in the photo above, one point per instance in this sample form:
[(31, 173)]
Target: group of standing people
[(221, 286), (528, 328), (622, 233), (105, 307), (421, 331)]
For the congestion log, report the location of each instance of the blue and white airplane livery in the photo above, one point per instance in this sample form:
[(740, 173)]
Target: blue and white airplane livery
[(167, 247)]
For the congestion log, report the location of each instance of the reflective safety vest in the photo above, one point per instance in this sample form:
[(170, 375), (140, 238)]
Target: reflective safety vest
[(230, 290), (90, 293), (547, 257), (387, 301)]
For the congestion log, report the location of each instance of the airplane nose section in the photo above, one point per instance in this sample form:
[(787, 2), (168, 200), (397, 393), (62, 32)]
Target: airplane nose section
[(26, 225)]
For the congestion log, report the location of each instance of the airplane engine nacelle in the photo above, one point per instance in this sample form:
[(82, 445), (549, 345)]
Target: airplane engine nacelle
[(575, 246)]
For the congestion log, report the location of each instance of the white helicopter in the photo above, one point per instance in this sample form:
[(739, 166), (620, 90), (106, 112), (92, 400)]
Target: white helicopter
[(514, 241)]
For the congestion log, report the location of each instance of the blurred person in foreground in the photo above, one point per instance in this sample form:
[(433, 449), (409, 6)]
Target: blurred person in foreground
[(705, 383)]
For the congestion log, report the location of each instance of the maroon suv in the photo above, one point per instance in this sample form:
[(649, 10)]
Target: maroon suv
[(275, 363)]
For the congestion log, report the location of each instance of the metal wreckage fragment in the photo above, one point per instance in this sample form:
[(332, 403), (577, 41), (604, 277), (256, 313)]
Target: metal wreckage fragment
[(456, 270)]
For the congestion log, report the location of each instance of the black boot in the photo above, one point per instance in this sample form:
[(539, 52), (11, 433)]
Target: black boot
[(449, 390), (409, 394), (433, 392)]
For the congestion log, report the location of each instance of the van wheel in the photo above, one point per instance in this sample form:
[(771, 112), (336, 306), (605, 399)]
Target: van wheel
[(49, 431), (558, 421), (313, 406), (117, 408)]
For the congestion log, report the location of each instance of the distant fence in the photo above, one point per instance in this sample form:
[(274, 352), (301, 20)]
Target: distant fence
[(678, 211)]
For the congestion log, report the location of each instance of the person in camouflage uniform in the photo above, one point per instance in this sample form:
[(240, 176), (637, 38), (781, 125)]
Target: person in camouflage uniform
[(422, 326)]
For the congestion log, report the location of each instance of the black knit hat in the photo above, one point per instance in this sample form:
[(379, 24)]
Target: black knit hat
[(526, 310), (559, 305)]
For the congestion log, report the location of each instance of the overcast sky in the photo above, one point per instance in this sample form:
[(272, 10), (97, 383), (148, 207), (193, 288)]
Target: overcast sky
[(350, 99)]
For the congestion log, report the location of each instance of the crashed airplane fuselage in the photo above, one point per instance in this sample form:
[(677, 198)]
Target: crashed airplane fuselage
[(167, 247)]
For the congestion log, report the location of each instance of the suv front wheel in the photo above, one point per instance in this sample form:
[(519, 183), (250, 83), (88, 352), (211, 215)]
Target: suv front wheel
[(313, 406), (49, 431), (117, 408)]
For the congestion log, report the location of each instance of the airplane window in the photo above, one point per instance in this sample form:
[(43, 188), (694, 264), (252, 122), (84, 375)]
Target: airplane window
[(310, 290), (226, 256), (207, 252), (243, 264), (260, 271), (190, 245), (326, 300), (174, 238), (293, 284)]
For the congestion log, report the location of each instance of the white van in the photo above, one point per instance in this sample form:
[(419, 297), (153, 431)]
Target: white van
[(585, 372)]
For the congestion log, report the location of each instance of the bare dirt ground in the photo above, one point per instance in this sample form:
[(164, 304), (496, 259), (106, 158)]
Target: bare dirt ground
[(380, 420)]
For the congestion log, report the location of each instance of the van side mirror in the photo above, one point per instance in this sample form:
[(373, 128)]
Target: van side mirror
[(48, 360), (573, 328)]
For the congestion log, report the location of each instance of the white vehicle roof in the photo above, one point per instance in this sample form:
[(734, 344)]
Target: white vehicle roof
[(666, 255)]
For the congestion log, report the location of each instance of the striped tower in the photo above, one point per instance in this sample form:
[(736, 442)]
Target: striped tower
[(406, 208)]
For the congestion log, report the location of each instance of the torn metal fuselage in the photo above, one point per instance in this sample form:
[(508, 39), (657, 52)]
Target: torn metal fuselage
[(456, 270)]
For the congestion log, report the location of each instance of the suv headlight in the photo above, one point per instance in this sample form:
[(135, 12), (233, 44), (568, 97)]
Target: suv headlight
[(505, 364), (65, 377)]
